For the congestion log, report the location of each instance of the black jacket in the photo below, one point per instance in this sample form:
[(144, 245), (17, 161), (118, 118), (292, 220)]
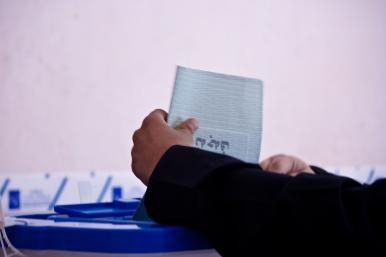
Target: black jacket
[(246, 211)]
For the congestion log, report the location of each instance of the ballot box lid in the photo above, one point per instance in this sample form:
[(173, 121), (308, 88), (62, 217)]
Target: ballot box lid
[(101, 228), (116, 208)]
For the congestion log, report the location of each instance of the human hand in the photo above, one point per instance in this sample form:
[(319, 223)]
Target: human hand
[(153, 139), (285, 164)]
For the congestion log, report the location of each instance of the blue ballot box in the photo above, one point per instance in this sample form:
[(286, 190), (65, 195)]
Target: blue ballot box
[(103, 229)]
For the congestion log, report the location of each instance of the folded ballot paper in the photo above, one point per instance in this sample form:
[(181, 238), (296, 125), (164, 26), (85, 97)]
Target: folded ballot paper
[(229, 110)]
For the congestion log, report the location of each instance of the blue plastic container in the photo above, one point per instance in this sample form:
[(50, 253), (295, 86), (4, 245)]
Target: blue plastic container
[(103, 229)]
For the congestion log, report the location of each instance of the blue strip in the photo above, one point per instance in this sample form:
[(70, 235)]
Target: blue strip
[(370, 177), (104, 189), (4, 186), (58, 193), (159, 239)]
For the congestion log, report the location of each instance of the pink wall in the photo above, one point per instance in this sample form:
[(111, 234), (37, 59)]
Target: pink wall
[(77, 77)]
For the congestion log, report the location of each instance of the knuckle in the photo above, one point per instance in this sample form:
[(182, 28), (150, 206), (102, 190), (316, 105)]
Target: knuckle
[(136, 135), (158, 110), (146, 121), (132, 153), (278, 164)]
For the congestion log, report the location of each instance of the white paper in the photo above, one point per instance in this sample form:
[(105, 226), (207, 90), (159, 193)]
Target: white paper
[(229, 110)]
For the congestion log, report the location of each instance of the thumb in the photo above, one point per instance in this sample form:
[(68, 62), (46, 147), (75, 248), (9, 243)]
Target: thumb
[(190, 125)]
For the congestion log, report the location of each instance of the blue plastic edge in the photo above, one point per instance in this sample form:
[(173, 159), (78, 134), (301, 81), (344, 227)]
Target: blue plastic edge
[(142, 240), (146, 237)]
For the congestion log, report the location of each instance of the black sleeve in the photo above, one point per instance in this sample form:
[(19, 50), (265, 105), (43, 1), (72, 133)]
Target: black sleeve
[(245, 210), (320, 171)]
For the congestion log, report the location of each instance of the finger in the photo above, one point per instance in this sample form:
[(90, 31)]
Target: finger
[(275, 162), (190, 125), (281, 165), (301, 166), (159, 113), (265, 163), (157, 116)]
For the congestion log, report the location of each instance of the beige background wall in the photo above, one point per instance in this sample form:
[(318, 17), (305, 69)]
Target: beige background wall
[(77, 77)]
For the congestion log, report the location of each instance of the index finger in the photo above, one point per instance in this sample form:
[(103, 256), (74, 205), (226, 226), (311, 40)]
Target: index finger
[(159, 113)]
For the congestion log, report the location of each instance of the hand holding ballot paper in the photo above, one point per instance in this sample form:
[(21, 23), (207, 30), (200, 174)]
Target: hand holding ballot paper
[(229, 112)]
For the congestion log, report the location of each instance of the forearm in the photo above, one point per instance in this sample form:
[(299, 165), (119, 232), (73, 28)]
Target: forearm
[(236, 203)]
